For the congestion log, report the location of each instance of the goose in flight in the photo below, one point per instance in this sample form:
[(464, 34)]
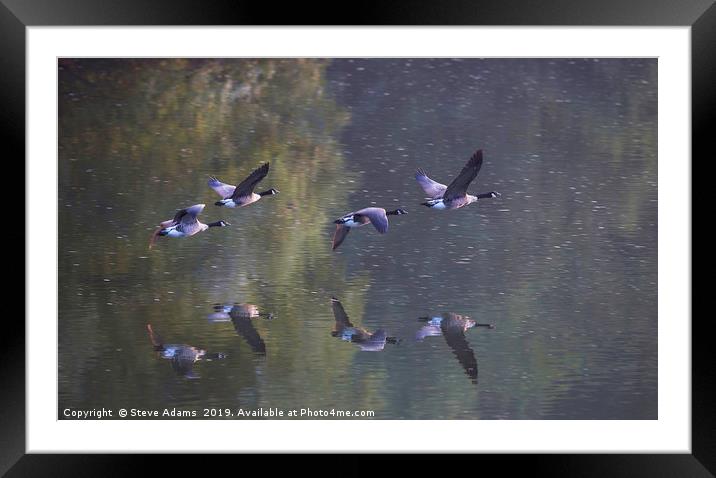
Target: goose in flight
[(240, 316), (184, 224), (183, 356), (452, 327), (224, 312), (373, 215), (345, 330), (455, 195), (243, 194)]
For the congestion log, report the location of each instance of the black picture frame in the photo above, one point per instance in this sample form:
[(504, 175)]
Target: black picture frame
[(16, 15)]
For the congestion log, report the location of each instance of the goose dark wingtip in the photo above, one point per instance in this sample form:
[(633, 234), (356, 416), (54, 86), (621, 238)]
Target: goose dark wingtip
[(477, 156)]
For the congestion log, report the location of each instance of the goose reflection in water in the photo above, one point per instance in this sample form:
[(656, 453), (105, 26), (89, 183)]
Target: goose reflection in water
[(183, 356), (345, 330), (240, 315), (452, 327)]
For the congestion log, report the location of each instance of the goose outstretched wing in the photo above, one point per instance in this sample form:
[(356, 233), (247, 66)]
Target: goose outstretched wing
[(154, 337), (222, 189), (246, 187), (340, 235), (377, 217), (340, 315), (375, 342), (432, 188), (186, 216), (245, 328), (183, 361), (458, 187), (453, 329)]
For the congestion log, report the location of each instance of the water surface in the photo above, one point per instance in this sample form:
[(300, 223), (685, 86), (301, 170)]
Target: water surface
[(564, 264)]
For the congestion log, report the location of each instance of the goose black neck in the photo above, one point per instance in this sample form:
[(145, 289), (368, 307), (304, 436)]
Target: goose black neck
[(394, 212), (216, 224), (268, 192), (491, 194)]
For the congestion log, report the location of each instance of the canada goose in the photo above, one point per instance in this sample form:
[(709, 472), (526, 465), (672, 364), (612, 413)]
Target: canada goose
[(243, 194), (182, 356), (455, 195), (368, 342), (184, 224), (241, 315), (453, 327), (374, 215)]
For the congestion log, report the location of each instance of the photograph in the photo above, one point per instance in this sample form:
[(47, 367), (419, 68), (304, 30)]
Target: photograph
[(211, 263)]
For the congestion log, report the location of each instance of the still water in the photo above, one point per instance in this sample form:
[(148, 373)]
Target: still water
[(563, 265)]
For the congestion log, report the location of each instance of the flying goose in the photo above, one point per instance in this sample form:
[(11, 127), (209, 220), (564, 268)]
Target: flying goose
[(453, 327), (368, 342), (374, 215), (455, 195), (184, 224), (182, 356), (241, 315), (224, 312), (243, 194)]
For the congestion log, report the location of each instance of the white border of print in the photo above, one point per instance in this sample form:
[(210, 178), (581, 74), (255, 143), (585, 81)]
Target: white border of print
[(670, 433)]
